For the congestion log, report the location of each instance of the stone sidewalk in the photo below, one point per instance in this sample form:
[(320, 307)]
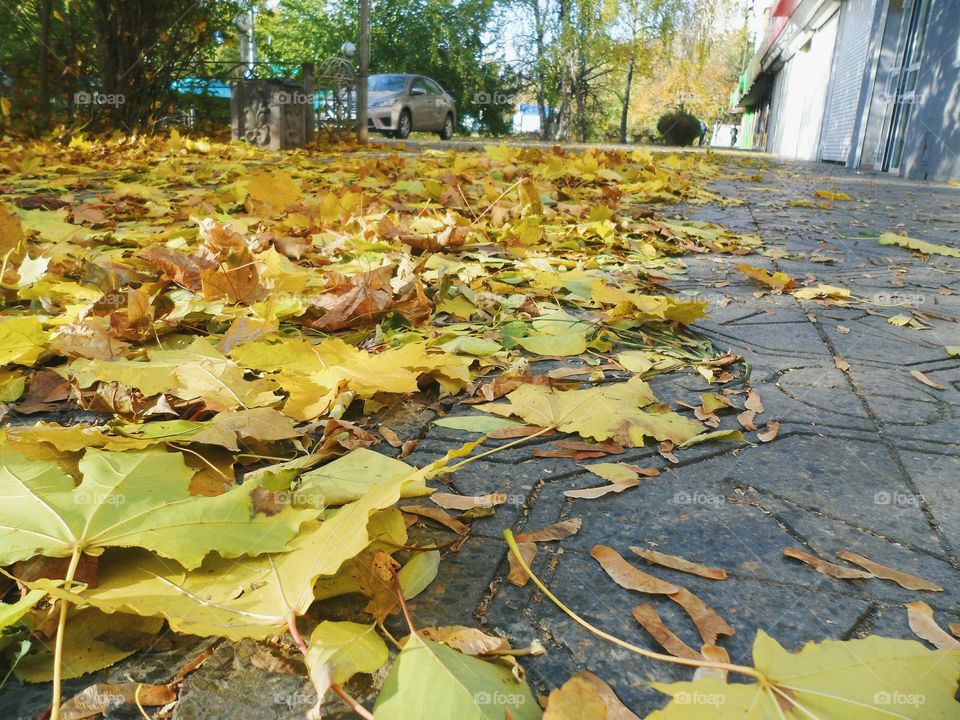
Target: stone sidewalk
[(867, 460)]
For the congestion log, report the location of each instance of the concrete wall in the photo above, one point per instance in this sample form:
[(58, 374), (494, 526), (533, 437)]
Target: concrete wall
[(933, 136)]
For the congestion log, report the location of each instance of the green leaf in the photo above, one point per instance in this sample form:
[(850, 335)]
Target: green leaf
[(418, 573), (238, 598), (135, 499), (89, 645), (874, 678), (715, 436), (429, 681), (339, 650), (466, 345), (611, 411), (13, 613), (476, 423), (562, 345), (22, 340), (350, 477)]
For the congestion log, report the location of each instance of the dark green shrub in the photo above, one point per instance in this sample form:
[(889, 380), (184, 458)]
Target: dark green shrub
[(678, 127)]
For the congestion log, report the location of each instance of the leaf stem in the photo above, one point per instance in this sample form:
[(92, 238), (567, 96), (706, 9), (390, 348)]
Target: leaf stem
[(742, 669), (340, 692), (491, 451), (61, 631), (354, 705)]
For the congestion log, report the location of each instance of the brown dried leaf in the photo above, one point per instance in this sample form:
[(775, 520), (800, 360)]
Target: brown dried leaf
[(678, 563), (708, 621), (99, 698), (517, 575), (841, 363), (769, 432), (439, 516), (927, 381), (904, 580), (626, 575), (924, 626), (753, 402), (827, 568), (557, 531), (651, 622), (746, 419), (468, 640)]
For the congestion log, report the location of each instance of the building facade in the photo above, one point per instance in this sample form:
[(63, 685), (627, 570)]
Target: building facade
[(871, 84)]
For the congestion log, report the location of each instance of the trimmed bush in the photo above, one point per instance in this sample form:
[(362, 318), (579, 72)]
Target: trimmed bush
[(678, 127)]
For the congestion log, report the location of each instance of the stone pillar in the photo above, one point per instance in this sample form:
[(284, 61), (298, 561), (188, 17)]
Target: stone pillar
[(271, 114)]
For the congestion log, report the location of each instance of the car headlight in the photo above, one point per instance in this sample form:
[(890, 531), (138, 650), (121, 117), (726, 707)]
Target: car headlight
[(380, 104)]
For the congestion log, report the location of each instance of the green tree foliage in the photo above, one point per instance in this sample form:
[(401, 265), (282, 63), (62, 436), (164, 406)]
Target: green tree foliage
[(60, 57)]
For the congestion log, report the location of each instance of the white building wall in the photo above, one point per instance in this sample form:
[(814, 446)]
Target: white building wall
[(799, 95)]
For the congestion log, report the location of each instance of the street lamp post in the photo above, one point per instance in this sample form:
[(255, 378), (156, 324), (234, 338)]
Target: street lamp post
[(363, 33)]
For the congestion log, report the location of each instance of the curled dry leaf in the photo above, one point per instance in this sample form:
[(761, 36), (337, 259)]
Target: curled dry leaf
[(557, 531), (678, 563), (827, 568), (450, 501), (841, 363), (924, 626), (904, 580), (769, 433), (746, 419), (626, 575), (439, 516), (651, 622)]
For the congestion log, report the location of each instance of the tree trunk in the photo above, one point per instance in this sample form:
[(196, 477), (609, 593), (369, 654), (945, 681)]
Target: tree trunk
[(46, 12), (626, 101)]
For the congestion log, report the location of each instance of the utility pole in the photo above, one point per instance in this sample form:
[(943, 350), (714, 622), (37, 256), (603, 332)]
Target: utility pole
[(363, 32)]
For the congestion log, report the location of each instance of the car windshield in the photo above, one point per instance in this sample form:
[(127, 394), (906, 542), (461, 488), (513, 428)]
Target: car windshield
[(391, 83)]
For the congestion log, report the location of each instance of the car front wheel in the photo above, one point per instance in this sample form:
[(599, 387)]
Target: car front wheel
[(446, 132), (404, 125)]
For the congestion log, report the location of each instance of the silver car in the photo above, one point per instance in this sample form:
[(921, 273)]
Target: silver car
[(399, 104)]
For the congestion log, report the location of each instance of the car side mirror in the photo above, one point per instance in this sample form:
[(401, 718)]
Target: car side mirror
[(418, 91)]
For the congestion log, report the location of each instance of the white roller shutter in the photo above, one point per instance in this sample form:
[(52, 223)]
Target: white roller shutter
[(850, 62)]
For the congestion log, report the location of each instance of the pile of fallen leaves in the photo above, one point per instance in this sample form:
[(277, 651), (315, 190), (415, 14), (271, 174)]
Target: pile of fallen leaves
[(198, 342)]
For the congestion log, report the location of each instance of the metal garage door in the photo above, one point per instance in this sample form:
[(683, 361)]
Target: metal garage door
[(850, 62)]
